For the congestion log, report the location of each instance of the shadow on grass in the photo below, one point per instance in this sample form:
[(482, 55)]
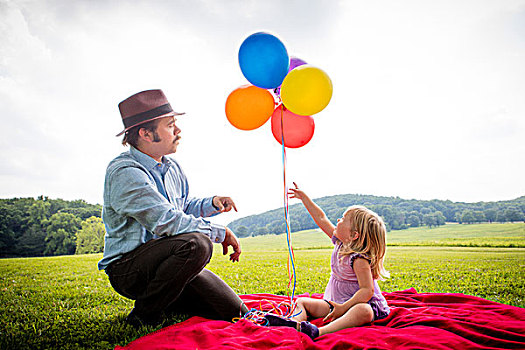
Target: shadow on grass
[(76, 332)]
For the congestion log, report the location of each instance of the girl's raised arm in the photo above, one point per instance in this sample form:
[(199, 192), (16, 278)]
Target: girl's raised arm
[(315, 211)]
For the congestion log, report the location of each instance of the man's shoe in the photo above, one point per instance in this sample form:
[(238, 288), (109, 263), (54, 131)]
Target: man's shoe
[(137, 320), (280, 321)]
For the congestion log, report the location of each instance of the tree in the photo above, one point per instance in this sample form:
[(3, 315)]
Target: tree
[(32, 241), (439, 218), (457, 217), (9, 226), (295, 226), (479, 216), (468, 217), (413, 221), (491, 214), (513, 214), (429, 220), (90, 238), (398, 220), (39, 213), (425, 211), (242, 231), (395, 212), (261, 231), (500, 216), (85, 212), (60, 237), (276, 227)]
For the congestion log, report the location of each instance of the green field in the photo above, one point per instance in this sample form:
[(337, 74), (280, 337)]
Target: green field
[(510, 235), (480, 235), (64, 302)]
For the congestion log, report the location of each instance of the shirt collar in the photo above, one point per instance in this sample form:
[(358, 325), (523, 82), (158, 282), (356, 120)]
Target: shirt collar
[(148, 162)]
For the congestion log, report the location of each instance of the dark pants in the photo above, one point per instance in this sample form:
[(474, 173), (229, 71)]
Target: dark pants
[(168, 275)]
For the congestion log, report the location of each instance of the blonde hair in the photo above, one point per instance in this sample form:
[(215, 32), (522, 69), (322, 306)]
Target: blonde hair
[(371, 240)]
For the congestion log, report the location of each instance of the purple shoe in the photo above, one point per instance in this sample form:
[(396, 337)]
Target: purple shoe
[(309, 329), (304, 327)]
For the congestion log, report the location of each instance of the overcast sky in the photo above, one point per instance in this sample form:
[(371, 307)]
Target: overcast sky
[(428, 102)]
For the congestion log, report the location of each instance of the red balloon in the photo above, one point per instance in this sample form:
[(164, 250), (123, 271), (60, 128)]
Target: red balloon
[(298, 129)]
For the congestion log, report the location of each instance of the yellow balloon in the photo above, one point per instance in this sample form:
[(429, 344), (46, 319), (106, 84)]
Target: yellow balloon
[(306, 90)]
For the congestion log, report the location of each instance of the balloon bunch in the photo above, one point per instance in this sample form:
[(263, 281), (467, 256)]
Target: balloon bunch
[(285, 89)]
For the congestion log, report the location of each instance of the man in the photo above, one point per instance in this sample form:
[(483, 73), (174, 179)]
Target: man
[(157, 242)]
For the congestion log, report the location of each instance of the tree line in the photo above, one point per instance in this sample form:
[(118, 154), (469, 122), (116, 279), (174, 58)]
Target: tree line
[(397, 213), (47, 227)]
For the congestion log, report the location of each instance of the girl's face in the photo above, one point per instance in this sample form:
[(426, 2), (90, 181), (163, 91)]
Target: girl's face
[(343, 230)]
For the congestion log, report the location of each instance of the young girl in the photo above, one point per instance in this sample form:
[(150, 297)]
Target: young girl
[(352, 296)]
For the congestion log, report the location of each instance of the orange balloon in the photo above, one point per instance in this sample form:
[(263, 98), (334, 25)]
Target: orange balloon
[(249, 107)]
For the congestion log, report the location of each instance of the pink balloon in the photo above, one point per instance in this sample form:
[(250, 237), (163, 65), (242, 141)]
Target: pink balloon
[(298, 129)]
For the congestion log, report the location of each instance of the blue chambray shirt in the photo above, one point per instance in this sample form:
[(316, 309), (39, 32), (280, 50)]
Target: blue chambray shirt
[(145, 199)]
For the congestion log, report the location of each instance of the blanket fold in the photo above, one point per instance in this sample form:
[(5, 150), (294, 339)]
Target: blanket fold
[(416, 321)]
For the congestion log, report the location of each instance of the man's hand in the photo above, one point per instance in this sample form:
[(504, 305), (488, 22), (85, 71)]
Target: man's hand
[(231, 240), (224, 203)]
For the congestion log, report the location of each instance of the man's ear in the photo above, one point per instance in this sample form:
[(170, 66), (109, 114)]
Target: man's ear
[(145, 134)]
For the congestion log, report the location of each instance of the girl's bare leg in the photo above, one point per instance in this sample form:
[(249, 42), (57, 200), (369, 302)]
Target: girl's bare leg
[(356, 316), (310, 307)]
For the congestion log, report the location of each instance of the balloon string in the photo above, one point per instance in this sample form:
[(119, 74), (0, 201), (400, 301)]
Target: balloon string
[(291, 255), (266, 306), (283, 309)]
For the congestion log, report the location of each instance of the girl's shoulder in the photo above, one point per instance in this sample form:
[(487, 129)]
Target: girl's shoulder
[(353, 256), (348, 257)]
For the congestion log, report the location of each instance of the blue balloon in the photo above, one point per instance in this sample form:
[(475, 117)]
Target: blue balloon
[(264, 60)]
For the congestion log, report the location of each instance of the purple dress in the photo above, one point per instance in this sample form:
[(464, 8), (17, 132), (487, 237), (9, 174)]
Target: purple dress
[(343, 282)]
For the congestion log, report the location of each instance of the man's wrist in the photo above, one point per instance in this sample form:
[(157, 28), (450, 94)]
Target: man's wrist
[(220, 233), (213, 203)]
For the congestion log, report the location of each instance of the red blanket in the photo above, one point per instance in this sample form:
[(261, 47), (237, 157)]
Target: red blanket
[(416, 321)]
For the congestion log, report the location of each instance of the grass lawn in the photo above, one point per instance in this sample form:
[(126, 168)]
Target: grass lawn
[(64, 302)]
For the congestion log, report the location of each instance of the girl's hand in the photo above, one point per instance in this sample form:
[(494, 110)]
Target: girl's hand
[(338, 311), (296, 192)]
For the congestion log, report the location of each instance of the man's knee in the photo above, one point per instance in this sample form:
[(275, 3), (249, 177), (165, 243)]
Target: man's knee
[(201, 245)]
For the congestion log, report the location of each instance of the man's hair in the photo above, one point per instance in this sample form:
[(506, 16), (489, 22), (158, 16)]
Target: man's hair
[(131, 136)]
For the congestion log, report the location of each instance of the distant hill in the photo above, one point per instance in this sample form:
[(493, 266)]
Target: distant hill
[(398, 213)]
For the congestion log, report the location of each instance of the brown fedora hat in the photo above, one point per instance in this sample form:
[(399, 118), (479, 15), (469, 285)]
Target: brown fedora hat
[(143, 107)]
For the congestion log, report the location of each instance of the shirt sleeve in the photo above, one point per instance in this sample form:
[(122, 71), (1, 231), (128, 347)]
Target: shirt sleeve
[(358, 255), (202, 207), (134, 194)]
